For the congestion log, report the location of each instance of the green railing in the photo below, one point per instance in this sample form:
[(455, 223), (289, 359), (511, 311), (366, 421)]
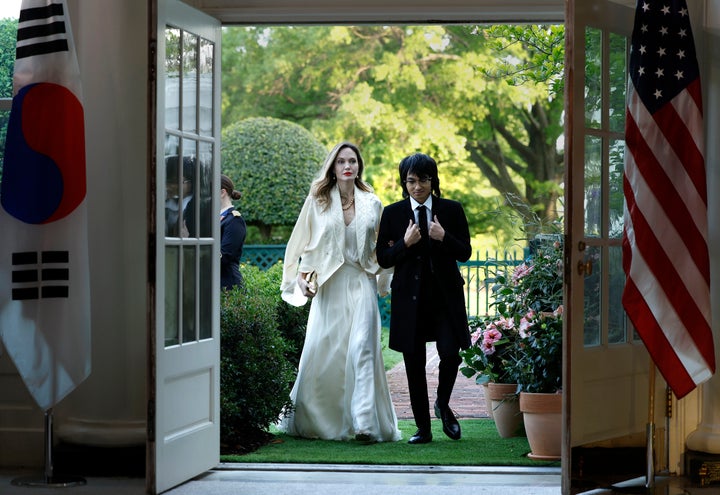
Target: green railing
[(479, 274), (262, 255)]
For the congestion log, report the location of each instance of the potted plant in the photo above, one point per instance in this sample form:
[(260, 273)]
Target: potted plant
[(490, 359), (533, 297), (522, 344)]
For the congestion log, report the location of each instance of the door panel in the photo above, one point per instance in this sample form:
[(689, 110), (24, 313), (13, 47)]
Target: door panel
[(185, 408), (609, 364)]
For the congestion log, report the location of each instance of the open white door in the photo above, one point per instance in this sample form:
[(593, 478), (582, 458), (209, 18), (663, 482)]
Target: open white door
[(184, 407), (608, 362)]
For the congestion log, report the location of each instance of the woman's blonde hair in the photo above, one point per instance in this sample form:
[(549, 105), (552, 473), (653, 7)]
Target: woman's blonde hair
[(326, 180)]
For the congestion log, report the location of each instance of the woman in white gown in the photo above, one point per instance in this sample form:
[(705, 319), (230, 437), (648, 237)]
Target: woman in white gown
[(341, 390)]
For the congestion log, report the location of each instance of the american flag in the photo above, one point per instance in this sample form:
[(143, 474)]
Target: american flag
[(665, 251)]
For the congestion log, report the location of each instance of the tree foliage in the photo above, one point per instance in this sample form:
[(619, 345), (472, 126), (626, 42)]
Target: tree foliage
[(8, 37), (273, 161), (485, 101)]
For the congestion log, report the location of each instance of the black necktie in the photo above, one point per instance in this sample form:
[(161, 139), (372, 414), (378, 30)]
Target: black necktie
[(422, 221), (425, 243)]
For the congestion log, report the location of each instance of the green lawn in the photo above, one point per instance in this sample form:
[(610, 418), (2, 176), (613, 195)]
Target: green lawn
[(390, 357), (480, 446)]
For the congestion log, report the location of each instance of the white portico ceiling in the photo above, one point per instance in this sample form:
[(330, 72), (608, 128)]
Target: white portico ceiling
[(396, 11)]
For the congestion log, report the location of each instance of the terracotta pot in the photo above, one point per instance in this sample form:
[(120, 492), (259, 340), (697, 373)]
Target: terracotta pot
[(542, 415), (488, 401), (505, 408)]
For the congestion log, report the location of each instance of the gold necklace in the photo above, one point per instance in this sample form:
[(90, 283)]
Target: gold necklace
[(347, 207)]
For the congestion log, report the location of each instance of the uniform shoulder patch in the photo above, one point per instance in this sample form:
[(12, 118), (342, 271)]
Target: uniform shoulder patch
[(236, 213)]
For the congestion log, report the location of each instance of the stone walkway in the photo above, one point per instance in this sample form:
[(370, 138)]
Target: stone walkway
[(467, 400)]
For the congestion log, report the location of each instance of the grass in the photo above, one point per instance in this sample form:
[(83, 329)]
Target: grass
[(480, 446), (390, 357)]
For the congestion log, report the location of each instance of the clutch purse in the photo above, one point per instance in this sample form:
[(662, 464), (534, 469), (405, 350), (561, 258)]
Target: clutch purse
[(311, 279)]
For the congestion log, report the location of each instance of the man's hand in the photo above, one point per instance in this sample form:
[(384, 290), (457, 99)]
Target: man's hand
[(412, 234), (435, 230)]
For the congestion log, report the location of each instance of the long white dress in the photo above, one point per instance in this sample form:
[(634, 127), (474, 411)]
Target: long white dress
[(341, 389)]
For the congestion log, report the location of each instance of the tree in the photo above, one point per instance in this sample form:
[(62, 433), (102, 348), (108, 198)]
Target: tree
[(273, 161), (475, 97), (519, 136), (8, 36)]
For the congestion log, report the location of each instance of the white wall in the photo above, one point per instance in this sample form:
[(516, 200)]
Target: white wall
[(109, 407)]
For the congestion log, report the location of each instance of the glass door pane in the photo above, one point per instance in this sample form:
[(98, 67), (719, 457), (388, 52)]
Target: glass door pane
[(189, 176)]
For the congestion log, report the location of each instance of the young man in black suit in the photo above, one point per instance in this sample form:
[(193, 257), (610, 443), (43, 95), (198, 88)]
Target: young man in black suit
[(423, 237)]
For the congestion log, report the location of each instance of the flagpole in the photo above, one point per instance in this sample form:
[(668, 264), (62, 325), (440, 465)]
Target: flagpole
[(650, 475), (634, 485), (48, 479)]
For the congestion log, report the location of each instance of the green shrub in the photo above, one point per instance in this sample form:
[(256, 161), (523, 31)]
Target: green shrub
[(255, 375), (276, 160), (291, 320)]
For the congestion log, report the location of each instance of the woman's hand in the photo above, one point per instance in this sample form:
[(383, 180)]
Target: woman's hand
[(308, 289)]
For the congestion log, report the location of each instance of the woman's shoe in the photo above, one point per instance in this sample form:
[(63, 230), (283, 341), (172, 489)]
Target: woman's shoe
[(365, 438)]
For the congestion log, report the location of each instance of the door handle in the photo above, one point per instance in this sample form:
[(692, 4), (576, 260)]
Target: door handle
[(584, 268)]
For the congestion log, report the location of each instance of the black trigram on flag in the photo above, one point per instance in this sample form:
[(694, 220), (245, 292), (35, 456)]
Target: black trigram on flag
[(45, 279), (41, 30)]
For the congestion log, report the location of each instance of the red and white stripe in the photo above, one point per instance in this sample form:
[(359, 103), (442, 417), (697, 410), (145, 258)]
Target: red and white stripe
[(665, 250)]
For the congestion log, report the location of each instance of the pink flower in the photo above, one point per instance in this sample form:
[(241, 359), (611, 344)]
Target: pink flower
[(506, 323), (521, 271), (476, 335), (525, 324), (558, 311), (492, 334), (488, 347)]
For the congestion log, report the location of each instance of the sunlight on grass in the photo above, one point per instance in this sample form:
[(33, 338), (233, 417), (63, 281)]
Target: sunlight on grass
[(480, 446)]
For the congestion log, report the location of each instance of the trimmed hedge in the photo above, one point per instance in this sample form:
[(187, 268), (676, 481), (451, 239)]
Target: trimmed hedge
[(273, 162), (255, 374), (291, 320)]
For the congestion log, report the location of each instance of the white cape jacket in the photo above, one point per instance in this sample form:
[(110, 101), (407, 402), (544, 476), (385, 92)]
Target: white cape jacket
[(316, 243)]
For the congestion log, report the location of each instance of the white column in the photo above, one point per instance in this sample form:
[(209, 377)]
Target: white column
[(108, 409)]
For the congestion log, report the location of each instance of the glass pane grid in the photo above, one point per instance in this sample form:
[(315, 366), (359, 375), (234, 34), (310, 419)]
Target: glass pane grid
[(604, 91), (189, 187)]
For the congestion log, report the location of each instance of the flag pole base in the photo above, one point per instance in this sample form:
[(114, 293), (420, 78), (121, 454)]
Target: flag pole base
[(640, 486), (49, 478), (49, 482)]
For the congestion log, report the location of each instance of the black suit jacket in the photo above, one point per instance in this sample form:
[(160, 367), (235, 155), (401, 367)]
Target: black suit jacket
[(408, 263)]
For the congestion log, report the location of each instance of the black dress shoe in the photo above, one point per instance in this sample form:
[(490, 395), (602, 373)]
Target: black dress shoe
[(421, 436), (451, 427)]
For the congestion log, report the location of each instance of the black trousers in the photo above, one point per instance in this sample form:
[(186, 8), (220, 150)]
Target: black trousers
[(448, 349)]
